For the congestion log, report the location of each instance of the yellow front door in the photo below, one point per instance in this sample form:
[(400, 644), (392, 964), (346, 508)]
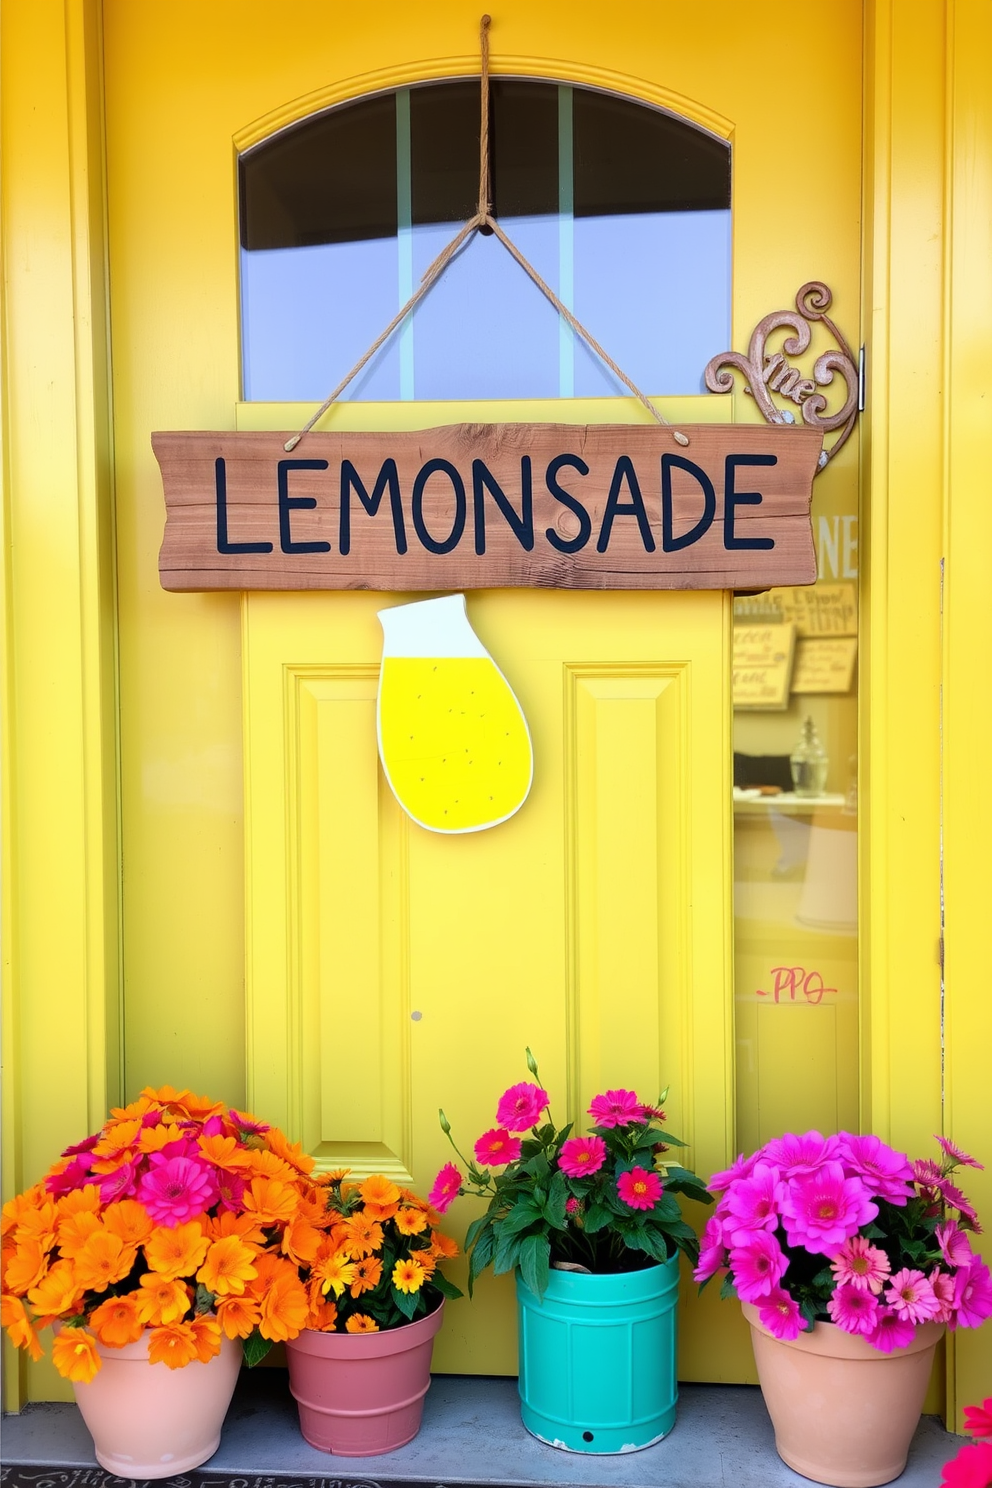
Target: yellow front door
[(389, 970)]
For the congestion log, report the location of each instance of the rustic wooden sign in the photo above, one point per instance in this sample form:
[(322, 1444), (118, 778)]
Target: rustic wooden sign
[(472, 506)]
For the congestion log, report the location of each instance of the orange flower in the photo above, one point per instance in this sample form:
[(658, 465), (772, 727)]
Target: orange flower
[(269, 1201), (75, 1356), (335, 1272), (243, 1225), (290, 1152), (381, 1198), (25, 1268), (368, 1274), (57, 1294), (154, 1138), (189, 1104), (177, 1251), (408, 1275), (284, 1306), (224, 1152), (362, 1236), (443, 1245), (161, 1301), (359, 1323), (228, 1265), (206, 1335), (79, 1201), (174, 1344), (137, 1108), (237, 1315), (336, 1174), (14, 1318), (129, 1219), (75, 1229), (16, 1210), (116, 1321), (428, 1260), (118, 1138), (301, 1242), (410, 1221), (323, 1316), (267, 1165), (38, 1223), (103, 1260)]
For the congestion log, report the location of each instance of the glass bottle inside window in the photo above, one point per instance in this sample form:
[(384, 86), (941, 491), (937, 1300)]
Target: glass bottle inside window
[(809, 762)]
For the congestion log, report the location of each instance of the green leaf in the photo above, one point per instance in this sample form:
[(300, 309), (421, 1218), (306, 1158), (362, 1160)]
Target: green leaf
[(507, 1253), (596, 1217), (652, 1242), (520, 1217), (445, 1287), (482, 1253), (535, 1256), (406, 1302), (728, 1292), (679, 1230), (256, 1347), (554, 1206), (474, 1229), (875, 1232)]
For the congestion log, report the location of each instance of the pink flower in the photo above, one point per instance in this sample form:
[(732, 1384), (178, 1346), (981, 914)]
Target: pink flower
[(955, 1152), (572, 1205), (751, 1204), (86, 1145), (176, 1189), (781, 1315), (860, 1264), (76, 1175), (246, 1126), (742, 1168), (446, 1188), (822, 1210), (580, 1156), (972, 1295), (712, 1252), (912, 1297), (854, 1310), (495, 1148), (978, 1418), (890, 1331), (797, 1155), (120, 1183), (758, 1266), (520, 1107), (971, 1468), (954, 1244), (944, 1290), (639, 1189), (957, 1200), (616, 1108), (926, 1172), (882, 1170), (232, 1189)]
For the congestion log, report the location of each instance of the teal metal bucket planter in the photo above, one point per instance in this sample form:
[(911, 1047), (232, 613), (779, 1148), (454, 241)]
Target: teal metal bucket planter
[(597, 1359)]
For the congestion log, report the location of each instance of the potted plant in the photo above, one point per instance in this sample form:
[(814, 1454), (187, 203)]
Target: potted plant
[(591, 1225), (360, 1369), (849, 1262), (158, 1249)]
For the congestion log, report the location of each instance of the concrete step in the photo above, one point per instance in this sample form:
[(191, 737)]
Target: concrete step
[(471, 1435)]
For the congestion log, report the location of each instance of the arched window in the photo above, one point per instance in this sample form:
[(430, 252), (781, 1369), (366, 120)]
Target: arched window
[(623, 209)]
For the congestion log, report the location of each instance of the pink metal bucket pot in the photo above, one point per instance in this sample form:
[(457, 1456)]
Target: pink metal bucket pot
[(360, 1394), (150, 1421)]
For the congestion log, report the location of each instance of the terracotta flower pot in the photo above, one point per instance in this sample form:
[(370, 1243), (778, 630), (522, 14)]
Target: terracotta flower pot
[(150, 1421), (844, 1413), (360, 1394)]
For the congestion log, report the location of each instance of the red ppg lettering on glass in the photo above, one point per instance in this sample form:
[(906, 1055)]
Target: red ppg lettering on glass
[(788, 981)]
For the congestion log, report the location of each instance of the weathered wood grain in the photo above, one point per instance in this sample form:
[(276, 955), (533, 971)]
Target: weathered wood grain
[(550, 506)]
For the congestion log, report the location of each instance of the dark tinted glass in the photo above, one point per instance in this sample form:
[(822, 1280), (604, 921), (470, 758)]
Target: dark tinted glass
[(444, 145), (331, 179), (633, 159)]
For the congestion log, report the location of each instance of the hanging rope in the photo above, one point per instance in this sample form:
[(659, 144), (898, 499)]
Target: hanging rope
[(483, 219)]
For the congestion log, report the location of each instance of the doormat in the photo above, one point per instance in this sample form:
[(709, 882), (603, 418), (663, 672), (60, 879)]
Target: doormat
[(17, 1475)]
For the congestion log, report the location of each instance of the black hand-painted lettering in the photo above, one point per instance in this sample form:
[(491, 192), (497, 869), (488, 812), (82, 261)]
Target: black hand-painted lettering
[(223, 545), (433, 544), (388, 478), (732, 499), (289, 504), (625, 471), (669, 542), (522, 525), (568, 544)]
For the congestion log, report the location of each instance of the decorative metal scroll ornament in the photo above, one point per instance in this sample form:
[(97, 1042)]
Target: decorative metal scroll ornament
[(770, 372)]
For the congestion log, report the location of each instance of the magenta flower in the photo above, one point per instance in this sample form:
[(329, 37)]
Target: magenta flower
[(972, 1295), (758, 1266), (639, 1189), (231, 1188), (752, 1204), (822, 1210), (854, 1310), (246, 1126), (742, 1168), (616, 1108), (911, 1296), (781, 1315), (954, 1244), (580, 1156), (447, 1186), (175, 1190), (796, 1155), (151, 1118), (712, 1251), (882, 1170), (957, 1200), (861, 1264), (891, 1331), (956, 1152), (978, 1419), (496, 1148), (86, 1145), (573, 1205), (520, 1107), (118, 1184), (944, 1290), (76, 1175), (971, 1468), (927, 1172)]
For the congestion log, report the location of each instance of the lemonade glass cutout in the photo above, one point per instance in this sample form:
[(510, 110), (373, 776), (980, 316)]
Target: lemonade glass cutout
[(453, 740)]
